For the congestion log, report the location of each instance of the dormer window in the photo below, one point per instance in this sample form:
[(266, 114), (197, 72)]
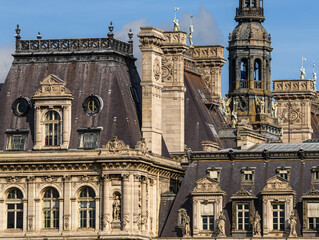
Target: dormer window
[(214, 173), (17, 139), (89, 137), (315, 174), (283, 172), (52, 129), (248, 175)]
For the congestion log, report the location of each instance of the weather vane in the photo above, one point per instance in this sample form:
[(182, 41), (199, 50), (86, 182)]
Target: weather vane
[(302, 69), (191, 30), (175, 20)]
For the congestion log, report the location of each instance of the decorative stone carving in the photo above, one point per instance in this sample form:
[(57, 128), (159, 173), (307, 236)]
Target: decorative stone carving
[(141, 146), (13, 179), (116, 145), (221, 224), (52, 86), (30, 223), (256, 225), (276, 184), (66, 222), (116, 208), (167, 70), (105, 221), (293, 224), (157, 69)]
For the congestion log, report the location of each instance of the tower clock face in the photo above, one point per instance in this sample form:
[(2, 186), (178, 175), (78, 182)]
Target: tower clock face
[(92, 105), (21, 106)]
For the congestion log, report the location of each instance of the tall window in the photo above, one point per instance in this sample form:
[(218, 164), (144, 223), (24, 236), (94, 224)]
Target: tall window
[(87, 208), (244, 73), (51, 208), (15, 209), (52, 129), (313, 216), (254, 4), (242, 217), (247, 3), (278, 213), (207, 214)]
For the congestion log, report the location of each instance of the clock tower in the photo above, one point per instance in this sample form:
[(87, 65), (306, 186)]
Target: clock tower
[(249, 69)]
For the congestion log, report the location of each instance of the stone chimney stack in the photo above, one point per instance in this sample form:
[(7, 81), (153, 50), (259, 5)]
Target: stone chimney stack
[(173, 113), (151, 39)]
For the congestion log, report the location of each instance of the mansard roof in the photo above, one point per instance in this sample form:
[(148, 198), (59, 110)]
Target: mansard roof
[(230, 178), (99, 66)]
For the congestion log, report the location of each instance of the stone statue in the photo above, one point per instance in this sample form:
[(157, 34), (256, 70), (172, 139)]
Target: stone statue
[(234, 118), (224, 108), (274, 108), (302, 69), (281, 132), (186, 223), (221, 224), (314, 78), (293, 224), (228, 105), (116, 208), (175, 20), (256, 225), (191, 30), (260, 102)]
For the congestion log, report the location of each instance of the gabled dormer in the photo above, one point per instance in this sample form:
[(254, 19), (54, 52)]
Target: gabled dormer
[(52, 109)]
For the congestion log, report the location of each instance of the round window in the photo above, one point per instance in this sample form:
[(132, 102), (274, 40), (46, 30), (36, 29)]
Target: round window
[(92, 105), (21, 106)]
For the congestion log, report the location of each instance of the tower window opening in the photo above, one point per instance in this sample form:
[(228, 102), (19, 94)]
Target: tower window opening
[(254, 4), (247, 5), (257, 73), (244, 73)]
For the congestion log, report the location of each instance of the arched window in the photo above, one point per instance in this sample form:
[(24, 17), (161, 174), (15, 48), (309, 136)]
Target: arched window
[(52, 129), (51, 208), (87, 208), (15, 209), (244, 73), (257, 73), (254, 3), (247, 5)]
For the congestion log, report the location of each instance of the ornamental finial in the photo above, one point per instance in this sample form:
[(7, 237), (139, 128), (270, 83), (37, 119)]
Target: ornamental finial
[(111, 28), (302, 69), (130, 35), (18, 30), (39, 37), (191, 30)]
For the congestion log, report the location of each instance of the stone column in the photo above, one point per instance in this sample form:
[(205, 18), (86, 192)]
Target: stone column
[(31, 221), (136, 203), (38, 135), (66, 126), (251, 73), (144, 203), (151, 41), (62, 219), (126, 210)]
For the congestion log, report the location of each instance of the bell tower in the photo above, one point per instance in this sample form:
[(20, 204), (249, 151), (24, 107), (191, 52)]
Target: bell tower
[(249, 69)]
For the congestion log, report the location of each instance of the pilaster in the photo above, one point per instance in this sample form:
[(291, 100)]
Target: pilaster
[(151, 39)]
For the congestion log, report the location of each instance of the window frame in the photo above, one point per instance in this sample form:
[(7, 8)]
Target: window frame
[(16, 200), (53, 123), (23, 133), (89, 131), (248, 171), (243, 211), (90, 221), (54, 221), (281, 225)]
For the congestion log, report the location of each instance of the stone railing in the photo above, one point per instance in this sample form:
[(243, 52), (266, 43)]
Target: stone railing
[(73, 45), (249, 12), (298, 85), (204, 52)]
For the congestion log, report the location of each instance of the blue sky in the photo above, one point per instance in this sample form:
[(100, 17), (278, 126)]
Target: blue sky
[(293, 24)]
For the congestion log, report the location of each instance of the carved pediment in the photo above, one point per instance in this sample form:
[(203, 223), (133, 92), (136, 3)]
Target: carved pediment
[(116, 145), (242, 193), (52, 86), (208, 185), (277, 184)]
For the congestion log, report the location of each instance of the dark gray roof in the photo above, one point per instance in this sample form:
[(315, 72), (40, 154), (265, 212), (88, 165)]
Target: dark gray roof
[(285, 147)]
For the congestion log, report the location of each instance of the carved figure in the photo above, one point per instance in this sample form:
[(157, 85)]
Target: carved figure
[(221, 224), (274, 108), (234, 118), (224, 108), (116, 208), (256, 225), (175, 20), (191, 30), (228, 105), (293, 224), (260, 102), (314, 78), (281, 132), (186, 222), (302, 69)]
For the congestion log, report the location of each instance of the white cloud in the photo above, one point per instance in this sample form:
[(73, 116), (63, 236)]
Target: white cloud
[(5, 60), (135, 25)]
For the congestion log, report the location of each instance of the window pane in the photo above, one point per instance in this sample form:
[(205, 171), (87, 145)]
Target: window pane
[(19, 220), (10, 206), (10, 220)]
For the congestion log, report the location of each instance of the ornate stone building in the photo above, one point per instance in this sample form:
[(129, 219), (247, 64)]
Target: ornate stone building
[(89, 151)]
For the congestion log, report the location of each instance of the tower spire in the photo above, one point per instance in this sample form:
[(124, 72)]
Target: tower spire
[(250, 10)]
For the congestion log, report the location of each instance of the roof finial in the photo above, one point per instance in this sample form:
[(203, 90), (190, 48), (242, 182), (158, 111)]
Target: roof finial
[(39, 37), (191, 30), (130, 35), (111, 28), (302, 69), (18, 30), (175, 20)]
